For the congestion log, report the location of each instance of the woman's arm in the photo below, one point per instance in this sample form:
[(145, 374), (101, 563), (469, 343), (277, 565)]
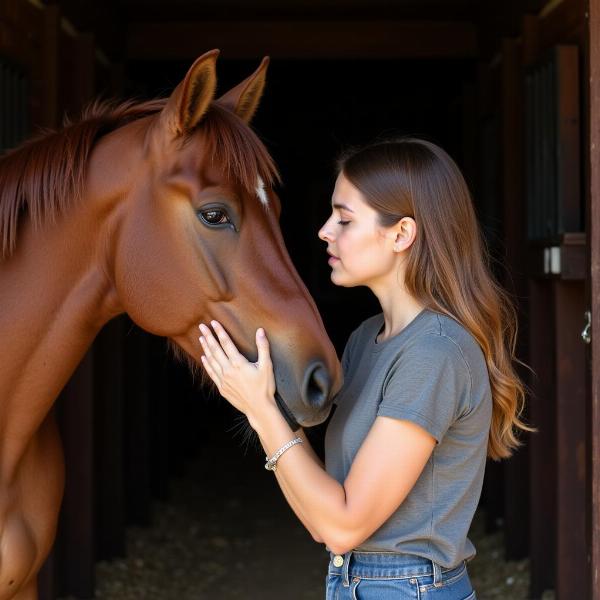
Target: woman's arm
[(292, 501), (301, 433), (384, 471)]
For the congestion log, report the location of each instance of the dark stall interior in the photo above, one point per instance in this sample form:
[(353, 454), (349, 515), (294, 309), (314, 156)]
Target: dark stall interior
[(138, 430)]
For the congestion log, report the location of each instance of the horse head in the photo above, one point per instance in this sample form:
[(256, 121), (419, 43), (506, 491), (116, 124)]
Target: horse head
[(200, 240)]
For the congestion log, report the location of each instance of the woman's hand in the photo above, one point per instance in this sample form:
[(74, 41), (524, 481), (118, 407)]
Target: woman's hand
[(250, 387)]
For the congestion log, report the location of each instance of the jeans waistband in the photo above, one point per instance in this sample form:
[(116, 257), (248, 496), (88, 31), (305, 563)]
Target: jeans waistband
[(386, 564)]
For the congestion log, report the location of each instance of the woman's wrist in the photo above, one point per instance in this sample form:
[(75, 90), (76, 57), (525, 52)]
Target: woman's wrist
[(261, 413)]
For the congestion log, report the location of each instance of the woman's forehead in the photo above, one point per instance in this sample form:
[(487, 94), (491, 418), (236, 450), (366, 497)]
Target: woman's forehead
[(346, 196)]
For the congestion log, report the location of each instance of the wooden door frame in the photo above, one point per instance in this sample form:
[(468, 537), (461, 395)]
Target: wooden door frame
[(593, 48)]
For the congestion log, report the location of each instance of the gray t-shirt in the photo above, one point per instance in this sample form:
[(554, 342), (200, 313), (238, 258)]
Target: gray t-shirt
[(433, 373)]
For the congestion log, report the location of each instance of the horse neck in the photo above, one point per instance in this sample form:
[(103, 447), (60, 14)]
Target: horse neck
[(56, 293)]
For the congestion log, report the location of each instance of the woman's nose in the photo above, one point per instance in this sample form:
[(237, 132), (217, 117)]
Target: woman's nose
[(324, 233)]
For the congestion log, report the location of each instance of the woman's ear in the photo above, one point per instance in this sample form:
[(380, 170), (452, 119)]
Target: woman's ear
[(403, 234)]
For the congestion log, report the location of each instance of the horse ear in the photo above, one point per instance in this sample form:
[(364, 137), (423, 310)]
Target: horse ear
[(190, 99), (243, 99)]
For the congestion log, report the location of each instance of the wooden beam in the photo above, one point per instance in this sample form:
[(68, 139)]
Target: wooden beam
[(542, 449), (77, 81), (563, 25), (158, 400), (109, 439), (22, 36), (569, 137), (570, 440), (303, 39), (138, 496), (294, 10), (593, 415), (516, 470), (77, 515), (50, 65)]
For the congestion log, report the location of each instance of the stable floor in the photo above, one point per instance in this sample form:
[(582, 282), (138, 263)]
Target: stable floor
[(227, 533)]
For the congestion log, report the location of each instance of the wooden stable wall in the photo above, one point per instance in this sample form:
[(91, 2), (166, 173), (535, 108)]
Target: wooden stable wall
[(534, 86), (28, 40), (592, 164)]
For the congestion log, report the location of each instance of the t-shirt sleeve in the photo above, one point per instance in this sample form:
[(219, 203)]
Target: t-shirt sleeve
[(428, 384)]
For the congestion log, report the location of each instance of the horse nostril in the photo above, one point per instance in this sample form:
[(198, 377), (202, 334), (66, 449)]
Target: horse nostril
[(317, 385)]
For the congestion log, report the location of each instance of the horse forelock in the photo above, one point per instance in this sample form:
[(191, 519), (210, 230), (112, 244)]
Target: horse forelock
[(234, 146)]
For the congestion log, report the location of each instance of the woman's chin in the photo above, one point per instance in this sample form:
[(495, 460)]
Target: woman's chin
[(335, 278), (341, 281)]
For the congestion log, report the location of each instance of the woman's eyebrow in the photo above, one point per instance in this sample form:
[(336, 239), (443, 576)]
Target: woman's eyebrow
[(342, 206)]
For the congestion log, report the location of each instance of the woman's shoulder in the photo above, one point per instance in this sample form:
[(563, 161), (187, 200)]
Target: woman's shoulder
[(430, 333), (446, 341)]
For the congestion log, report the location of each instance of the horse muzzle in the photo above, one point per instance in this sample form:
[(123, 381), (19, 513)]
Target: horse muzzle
[(315, 398)]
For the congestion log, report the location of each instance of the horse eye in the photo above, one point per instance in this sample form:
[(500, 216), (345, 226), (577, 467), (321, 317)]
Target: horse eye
[(214, 216)]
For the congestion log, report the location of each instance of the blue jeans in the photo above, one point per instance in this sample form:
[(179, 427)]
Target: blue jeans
[(393, 576)]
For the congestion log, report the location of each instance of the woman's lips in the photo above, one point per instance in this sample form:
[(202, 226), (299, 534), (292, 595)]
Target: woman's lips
[(333, 259)]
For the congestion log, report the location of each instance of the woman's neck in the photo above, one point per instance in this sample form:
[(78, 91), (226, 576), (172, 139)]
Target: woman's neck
[(399, 309)]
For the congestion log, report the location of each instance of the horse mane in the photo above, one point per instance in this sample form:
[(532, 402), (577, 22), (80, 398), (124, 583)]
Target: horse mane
[(45, 175)]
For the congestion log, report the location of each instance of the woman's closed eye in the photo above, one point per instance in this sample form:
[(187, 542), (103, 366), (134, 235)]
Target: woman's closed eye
[(343, 223)]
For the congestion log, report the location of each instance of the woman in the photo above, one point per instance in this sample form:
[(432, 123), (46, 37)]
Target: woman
[(429, 386)]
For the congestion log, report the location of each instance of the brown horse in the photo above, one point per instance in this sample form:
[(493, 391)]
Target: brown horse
[(163, 210)]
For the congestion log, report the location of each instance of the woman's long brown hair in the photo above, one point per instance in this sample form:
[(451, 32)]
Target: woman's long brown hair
[(448, 266)]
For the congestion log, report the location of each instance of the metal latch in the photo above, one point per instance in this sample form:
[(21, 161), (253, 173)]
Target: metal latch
[(586, 334)]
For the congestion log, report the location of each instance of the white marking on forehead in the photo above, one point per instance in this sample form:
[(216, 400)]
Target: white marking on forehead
[(261, 193)]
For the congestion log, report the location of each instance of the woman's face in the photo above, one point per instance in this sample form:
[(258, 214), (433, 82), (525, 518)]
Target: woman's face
[(361, 250)]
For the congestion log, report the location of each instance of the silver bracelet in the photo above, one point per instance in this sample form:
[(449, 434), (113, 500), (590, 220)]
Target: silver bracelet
[(271, 464)]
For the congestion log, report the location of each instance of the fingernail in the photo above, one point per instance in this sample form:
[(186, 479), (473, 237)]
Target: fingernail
[(261, 332), (213, 323)]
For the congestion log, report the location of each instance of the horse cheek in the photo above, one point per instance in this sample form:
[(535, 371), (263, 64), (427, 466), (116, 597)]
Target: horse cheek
[(149, 285)]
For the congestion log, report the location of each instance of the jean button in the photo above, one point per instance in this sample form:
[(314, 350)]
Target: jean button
[(338, 560)]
